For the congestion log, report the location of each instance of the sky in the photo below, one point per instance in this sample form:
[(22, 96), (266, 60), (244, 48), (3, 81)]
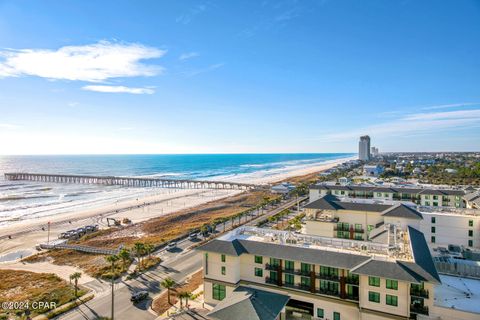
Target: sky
[(125, 77)]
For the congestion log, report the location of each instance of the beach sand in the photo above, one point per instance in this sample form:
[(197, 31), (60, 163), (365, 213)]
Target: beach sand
[(158, 203)]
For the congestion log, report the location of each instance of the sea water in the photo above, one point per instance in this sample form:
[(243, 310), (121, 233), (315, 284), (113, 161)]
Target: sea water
[(24, 199)]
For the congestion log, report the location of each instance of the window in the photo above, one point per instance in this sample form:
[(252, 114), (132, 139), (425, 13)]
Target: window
[(470, 233), (427, 203), (470, 223), (435, 204), (289, 265), (305, 268), (328, 271), (470, 243), (391, 300), (433, 219), (206, 262), (258, 272), (374, 281), (223, 258), (435, 197), (457, 204), (305, 282), (392, 284), (427, 197), (373, 296), (274, 276), (289, 279), (329, 287), (320, 313), (224, 270), (432, 239), (379, 194), (258, 259), (433, 229), (274, 262), (336, 316), (358, 227), (218, 291)]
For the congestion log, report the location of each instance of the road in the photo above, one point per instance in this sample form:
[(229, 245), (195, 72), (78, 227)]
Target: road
[(178, 265)]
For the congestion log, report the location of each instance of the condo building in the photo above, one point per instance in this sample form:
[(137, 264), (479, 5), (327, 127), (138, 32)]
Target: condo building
[(254, 273), (362, 219), (419, 196), (364, 148)]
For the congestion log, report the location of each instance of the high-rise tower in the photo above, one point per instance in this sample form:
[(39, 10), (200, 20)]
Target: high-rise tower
[(364, 148)]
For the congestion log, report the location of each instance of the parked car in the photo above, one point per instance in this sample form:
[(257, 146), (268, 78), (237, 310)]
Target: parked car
[(91, 228), (193, 236), (139, 296), (171, 245)]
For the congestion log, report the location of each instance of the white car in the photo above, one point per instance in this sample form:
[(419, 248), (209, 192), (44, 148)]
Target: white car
[(171, 245)]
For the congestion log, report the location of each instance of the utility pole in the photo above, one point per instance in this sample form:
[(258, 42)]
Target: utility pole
[(113, 304)]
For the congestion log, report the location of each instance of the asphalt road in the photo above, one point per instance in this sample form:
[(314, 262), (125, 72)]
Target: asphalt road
[(177, 264)]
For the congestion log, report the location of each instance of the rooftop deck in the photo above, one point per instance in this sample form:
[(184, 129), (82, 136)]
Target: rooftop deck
[(396, 251)]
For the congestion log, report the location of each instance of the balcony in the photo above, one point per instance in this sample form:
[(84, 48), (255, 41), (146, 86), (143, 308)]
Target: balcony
[(352, 280), (290, 271), (271, 280), (419, 309), (422, 293), (297, 286), (330, 277), (351, 297), (272, 267), (327, 292)]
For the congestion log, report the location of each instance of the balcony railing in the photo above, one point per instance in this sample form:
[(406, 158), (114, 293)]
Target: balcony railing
[(272, 267), (270, 280), (291, 271), (419, 293), (330, 277), (352, 280), (419, 309), (297, 286), (352, 297), (328, 292)]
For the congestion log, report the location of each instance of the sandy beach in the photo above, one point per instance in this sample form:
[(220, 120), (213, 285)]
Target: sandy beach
[(152, 204)]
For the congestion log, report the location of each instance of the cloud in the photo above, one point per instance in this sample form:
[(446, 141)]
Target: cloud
[(73, 104), (453, 105), (188, 55), (96, 62), (212, 67), (8, 126), (118, 89), (187, 17), (415, 123)]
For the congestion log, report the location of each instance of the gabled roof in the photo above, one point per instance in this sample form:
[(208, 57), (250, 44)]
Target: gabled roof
[(249, 303), (330, 202), (232, 248), (403, 190), (389, 270), (327, 202), (402, 211), (423, 265), (286, 252)]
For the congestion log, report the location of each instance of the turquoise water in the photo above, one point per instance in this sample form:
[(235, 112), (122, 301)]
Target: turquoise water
[(181, 166), (21, 200)]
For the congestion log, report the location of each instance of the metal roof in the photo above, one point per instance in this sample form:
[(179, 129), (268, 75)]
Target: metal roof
[(249, 303), (402, 211)]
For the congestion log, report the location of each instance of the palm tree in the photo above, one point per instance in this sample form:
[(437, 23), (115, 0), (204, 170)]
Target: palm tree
[(184, 295), (149, 249), (139, 250), (75, 276), (187, 295), (112, 259), (168, 283), (124, 254)]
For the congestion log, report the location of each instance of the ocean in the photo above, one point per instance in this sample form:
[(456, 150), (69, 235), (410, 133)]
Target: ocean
[(23, 199)]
